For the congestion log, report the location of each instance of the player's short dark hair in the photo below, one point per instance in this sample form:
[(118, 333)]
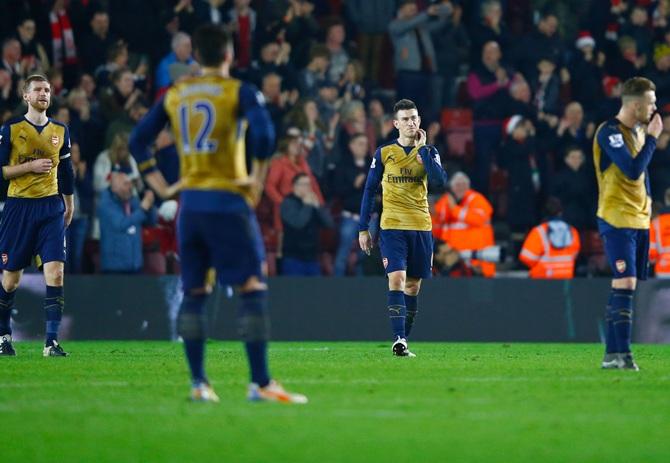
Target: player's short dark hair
[(34, 78), (211, 42), (636, 87), (297, 177), (403, 104)]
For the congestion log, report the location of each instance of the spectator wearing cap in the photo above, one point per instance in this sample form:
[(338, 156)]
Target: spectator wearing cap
[(414, 58), (488, 87), (315, 73), (523, 164), (181, 52), (660, 73), (587, 69)]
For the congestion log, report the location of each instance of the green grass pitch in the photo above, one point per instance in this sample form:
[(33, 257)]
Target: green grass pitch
[(126, 402)]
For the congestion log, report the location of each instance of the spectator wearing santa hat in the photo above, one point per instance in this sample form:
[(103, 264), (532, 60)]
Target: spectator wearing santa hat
[(525, 167), (588, 66)]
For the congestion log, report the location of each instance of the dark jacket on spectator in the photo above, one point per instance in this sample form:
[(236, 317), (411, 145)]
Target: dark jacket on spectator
[(301, 228), (577, 192), (521, 163), (586, 82), (343, 183)]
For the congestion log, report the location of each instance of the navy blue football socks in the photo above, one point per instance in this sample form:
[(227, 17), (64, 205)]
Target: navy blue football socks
[(254, 330), (411, 303), (191, 325), (621, 313), (6, 304), (397, 313), (53, 306), (610, 337)]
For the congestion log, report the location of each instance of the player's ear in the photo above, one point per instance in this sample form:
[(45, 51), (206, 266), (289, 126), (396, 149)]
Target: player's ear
[(396, 123)]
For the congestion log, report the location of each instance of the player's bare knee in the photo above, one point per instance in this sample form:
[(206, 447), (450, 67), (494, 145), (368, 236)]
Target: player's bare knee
[(397, 281), (412, 286), (253, 284), (629, 283), (10, 284)]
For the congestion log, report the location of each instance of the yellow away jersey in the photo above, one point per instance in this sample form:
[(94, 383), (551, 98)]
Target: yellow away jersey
[(209, 133), (28, 143), (623, 184), (404, 190)]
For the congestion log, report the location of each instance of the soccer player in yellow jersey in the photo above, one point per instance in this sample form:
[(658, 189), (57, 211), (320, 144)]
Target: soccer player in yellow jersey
[(622, 149), (209, 115), (35, 160), (404, 168)]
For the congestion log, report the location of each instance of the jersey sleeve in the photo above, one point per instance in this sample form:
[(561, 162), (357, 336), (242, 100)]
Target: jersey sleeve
[(144, 134), (5, 145), (371, 186), (65, 151), (65, 168), (611, 142), (261, 131), (433, 165)]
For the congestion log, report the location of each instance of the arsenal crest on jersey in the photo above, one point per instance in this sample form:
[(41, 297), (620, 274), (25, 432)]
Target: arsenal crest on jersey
[(55, 139), (620, 265)]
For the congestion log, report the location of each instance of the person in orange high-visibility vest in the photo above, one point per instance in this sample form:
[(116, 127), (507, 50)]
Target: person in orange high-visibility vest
[(462, 218), (659, 237), (551, 248)]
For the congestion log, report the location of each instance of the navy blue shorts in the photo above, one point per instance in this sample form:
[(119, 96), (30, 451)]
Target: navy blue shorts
[(627, 250), (407, 250), (32, 228), (229, 242)]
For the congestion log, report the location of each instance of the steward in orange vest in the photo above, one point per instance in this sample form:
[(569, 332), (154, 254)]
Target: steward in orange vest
[(551, 248), (463, 219), (659, 237)]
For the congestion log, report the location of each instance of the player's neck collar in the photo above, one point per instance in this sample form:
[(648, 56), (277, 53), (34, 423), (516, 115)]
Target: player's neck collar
[(44, 120)]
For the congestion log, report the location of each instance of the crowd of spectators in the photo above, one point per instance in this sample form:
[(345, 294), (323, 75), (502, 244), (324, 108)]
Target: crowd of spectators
[(510, 92)]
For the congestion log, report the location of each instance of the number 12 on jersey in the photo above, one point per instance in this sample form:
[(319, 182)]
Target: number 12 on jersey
[(200, 143)]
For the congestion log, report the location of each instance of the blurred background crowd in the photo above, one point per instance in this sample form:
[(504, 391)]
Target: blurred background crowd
[(510, 92)]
